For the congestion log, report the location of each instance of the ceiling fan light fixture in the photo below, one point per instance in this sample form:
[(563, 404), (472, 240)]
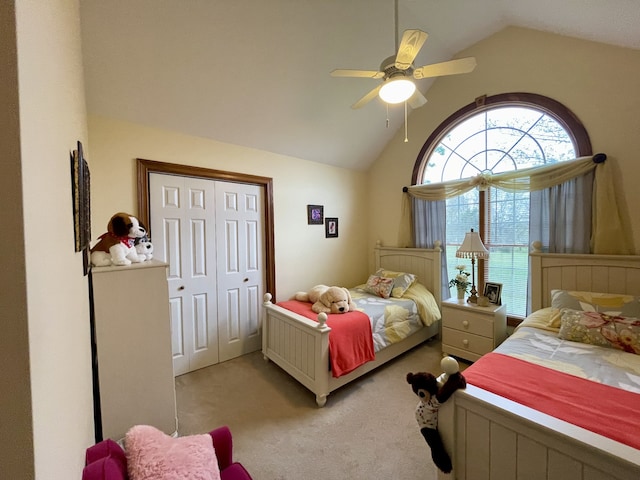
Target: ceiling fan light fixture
[(397, 90)]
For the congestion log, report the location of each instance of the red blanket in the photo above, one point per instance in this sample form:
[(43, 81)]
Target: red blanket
[(608, 411), (350, 339)]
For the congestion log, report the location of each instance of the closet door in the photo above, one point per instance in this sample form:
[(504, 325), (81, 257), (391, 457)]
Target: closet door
[(183, 235), (211, 233), (240, 272)]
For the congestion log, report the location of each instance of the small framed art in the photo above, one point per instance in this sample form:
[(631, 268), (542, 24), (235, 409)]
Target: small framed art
[(493, 291), (331, 227), (315, 214)]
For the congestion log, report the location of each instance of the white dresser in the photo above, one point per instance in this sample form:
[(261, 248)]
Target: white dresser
[(133, 341), (470, 331)]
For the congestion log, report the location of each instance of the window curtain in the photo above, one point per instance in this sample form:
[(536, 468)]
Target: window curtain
[(429, 227), (609, 234), (560, 216)]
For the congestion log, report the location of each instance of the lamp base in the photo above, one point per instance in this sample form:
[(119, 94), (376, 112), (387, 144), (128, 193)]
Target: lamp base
[(473, 298)]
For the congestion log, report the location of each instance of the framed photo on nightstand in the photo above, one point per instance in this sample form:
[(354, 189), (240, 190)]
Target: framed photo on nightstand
[(493, 291)]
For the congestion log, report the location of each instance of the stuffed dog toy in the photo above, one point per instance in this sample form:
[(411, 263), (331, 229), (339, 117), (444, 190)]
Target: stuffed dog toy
[(328, 299), (144, 247), (432, 395), (116, 247)]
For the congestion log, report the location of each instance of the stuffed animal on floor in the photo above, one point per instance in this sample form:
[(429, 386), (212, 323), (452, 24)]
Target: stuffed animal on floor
[(144, 247), (116, 247), (328, 299), (425, 385)]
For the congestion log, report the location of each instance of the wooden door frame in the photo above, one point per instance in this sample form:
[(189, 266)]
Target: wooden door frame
[(146, 167)]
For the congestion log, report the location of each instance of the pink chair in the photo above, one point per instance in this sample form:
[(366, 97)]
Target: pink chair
[(107, 461)]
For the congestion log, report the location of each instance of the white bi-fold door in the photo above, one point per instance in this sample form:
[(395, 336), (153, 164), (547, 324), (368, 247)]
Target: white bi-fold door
[(211, 234)]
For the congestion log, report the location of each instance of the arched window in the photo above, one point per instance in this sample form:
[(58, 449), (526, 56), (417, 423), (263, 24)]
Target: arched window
[(493, 135)]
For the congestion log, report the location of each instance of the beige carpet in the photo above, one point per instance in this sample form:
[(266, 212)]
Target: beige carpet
[(367, 429)]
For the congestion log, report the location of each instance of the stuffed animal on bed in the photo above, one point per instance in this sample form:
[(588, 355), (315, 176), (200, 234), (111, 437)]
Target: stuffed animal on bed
[(328, 299), (116, 247), (425, 385)]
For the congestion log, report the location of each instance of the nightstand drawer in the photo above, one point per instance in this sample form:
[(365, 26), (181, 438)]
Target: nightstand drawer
[(466, 341), (469, 322)]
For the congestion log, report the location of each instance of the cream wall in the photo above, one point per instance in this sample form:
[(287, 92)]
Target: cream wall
[(47, 408), (599, 83), (303, 256)]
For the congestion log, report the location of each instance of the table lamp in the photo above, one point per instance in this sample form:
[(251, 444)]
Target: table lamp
[(472, 248)]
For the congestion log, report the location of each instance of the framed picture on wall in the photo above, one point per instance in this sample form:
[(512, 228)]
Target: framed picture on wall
[(331, 227), (81, 193), (315, 214), (493, 291)]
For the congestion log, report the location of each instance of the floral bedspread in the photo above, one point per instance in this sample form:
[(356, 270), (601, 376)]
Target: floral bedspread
[(394, 319), (599, 364)]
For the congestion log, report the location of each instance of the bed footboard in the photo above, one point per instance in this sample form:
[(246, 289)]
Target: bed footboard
[(299, 346), (491, 437)]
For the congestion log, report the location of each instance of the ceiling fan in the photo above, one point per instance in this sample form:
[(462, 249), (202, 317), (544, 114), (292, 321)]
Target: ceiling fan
[(397, 71)]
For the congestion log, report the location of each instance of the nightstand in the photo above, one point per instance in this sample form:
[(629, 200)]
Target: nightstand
[(470, 331)]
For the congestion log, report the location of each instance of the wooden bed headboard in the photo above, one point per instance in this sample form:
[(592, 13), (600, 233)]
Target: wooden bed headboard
[(581, 272), (425, 263)]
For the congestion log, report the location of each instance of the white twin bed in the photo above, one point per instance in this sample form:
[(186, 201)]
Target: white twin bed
[(300, 345), (491, 436)]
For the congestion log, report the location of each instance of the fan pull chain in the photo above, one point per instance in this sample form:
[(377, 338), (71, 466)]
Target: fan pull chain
[(387, 105), (406, 138)]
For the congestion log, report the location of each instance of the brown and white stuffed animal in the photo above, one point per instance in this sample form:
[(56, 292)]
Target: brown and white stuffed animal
[(328, 299), (116, 247), (432, 395)]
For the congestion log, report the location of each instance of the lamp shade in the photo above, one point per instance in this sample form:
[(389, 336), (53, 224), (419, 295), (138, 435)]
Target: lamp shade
[(472, 247), (397, 90)]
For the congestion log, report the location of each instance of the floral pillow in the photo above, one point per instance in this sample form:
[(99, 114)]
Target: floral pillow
[(595, 328), (380, 286), (401, 281), (610, 303)]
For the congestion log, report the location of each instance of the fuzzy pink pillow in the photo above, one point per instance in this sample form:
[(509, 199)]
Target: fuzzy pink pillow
[(154, 455)]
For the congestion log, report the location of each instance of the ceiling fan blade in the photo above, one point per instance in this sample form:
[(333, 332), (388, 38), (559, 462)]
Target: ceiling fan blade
[(417, 100), (357, 73), (452, 67), (410, 45), (367, 98)]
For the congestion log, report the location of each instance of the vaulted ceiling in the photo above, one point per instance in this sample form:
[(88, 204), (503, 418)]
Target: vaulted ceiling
[(256, 72)]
